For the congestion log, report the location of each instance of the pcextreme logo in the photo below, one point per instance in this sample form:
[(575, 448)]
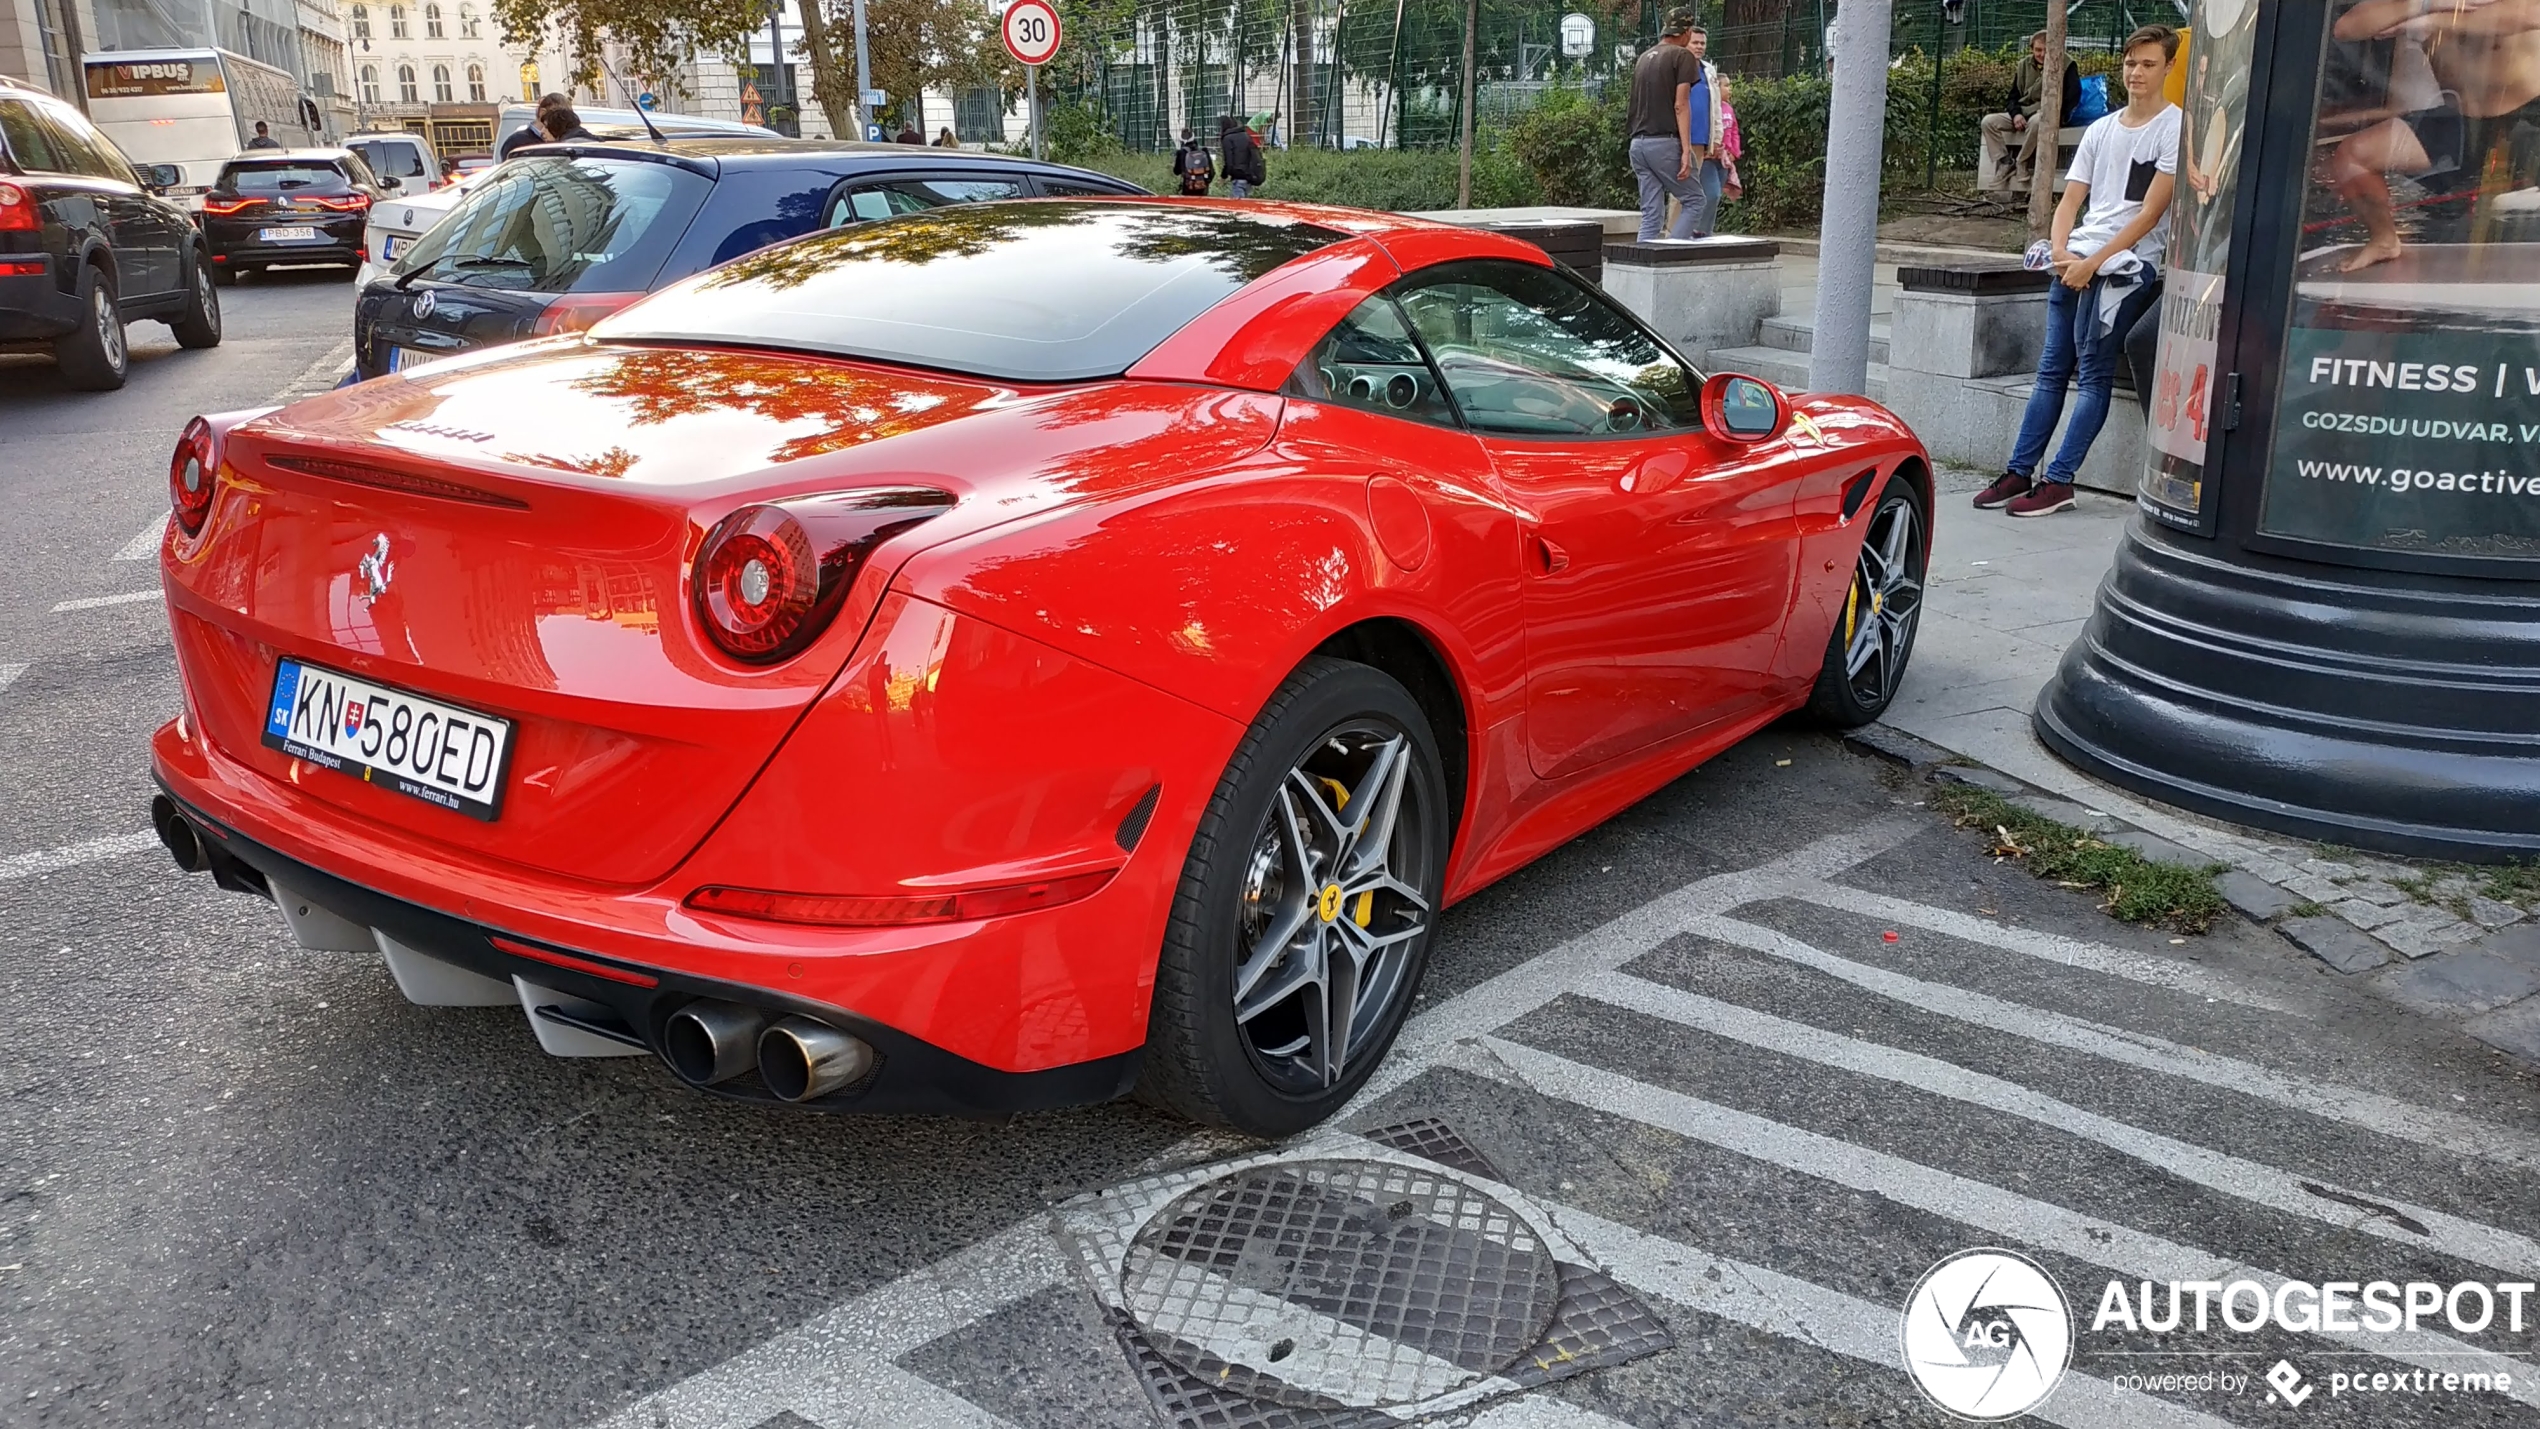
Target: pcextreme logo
[(1987, 1334)]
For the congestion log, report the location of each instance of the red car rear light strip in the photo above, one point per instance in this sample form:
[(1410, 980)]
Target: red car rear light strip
[(365, 474), (226, 207), (836, 910), (595, 968)]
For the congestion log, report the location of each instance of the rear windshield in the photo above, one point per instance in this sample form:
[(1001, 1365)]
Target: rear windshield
[(562, 224), (389, 159), (1039, 291), (280, 177)]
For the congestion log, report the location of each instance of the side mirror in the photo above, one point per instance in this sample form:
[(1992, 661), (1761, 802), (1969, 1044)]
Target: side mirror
[(391, 182), (1736, 408), (159, 178)]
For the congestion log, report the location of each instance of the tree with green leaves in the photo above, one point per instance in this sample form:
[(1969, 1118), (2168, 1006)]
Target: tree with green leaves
[(656, 36), (918, 45)]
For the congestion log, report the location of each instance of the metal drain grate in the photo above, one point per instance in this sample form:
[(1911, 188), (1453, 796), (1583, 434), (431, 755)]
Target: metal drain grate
[(1354, 1284), (1357, 1282)]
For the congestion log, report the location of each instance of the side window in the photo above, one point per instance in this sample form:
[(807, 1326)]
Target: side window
[(1532, 352), (358, 171), (28, 141), (1370, 361), (82, 149), (855, 202), (1066, 188)]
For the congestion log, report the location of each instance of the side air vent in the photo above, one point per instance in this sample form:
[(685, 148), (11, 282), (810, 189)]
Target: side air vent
[(390, 479), (1134, 827)]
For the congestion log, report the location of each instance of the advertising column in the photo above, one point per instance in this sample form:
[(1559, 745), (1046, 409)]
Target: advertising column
[(2175, 484), (2409, 402)]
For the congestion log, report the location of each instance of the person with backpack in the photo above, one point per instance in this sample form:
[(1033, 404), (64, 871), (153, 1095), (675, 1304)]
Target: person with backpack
[(1242, 152), (1193, 170)]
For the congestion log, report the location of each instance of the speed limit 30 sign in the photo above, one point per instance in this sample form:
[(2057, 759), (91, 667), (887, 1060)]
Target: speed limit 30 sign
[(1031, 31)]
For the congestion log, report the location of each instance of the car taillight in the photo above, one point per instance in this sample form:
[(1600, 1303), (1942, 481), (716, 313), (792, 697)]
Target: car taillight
[(191, 474), (769, 577), (576, 311), (227, 206), (346, 203), (832, 910), (17, 208)]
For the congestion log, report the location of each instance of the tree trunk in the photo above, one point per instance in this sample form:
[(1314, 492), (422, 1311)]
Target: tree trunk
[(2050, 120), (1464, 156), (1301, 79), (827, 84)]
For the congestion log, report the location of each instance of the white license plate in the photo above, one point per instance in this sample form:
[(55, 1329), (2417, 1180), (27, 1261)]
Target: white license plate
[(392, 244), (401, 358), (293, 234), (419, 747)]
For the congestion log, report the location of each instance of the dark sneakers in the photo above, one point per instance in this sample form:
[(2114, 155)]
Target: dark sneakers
[(2045, 499), (2008, 488)]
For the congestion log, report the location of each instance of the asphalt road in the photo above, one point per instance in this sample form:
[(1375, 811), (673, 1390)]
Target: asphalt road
[(245, 1184)]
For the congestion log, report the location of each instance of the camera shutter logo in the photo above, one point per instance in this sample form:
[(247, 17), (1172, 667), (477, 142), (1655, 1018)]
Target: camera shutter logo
[(1987, 1334)]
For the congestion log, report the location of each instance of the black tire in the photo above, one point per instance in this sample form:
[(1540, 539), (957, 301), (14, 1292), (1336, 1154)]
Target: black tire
[(1332, 718), (93, 357), (1873, 638), (197, 324)]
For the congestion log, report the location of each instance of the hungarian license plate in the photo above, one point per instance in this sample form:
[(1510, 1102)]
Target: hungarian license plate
[(295, 233), (419, 747), (401, 358), (392, 244)]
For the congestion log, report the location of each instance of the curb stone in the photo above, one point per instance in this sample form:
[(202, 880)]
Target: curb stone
[(2357, 911)]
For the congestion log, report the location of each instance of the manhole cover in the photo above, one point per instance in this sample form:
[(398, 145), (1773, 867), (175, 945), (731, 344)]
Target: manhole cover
[(1358, 1282)]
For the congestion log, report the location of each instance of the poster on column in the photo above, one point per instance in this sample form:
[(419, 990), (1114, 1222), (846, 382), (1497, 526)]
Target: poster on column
[(2409, 441), (2183, 396)]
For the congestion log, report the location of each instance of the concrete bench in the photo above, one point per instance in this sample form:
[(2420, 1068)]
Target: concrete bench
[(1702, 294)]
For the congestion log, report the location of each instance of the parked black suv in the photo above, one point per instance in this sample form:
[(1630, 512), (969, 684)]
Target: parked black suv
[(289, 206), (562, 235), (87, 244)]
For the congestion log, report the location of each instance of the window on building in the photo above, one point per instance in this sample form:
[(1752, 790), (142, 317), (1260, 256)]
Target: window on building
[(476, 84), (979, 116), (370, 84), (467, 22), (396, 22), (406, 84), (441, 93), (361, 22), (529, 83), (432, 22)]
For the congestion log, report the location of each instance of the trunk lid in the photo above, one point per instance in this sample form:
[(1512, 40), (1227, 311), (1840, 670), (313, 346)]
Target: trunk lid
[(511, 534)]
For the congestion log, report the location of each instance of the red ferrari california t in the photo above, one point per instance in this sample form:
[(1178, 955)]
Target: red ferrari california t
[(1005, 656)]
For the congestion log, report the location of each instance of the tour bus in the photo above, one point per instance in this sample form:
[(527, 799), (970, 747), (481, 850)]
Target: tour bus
[(193, 109)]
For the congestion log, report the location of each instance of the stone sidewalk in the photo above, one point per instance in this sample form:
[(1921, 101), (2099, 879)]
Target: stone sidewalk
[(2005, 598)]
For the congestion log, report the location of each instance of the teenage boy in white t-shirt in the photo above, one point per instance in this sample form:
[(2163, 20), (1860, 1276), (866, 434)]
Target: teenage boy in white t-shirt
[(2111, 233)]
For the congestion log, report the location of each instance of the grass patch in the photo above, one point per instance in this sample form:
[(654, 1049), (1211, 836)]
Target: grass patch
[(2138, 889), (2442, 885), (2307, 909)]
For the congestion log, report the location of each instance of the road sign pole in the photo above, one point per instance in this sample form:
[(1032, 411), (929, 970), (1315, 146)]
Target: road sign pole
[(863, 74), (1032, 104)]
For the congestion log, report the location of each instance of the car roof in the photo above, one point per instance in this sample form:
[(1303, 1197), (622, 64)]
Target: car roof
[(255, 156)]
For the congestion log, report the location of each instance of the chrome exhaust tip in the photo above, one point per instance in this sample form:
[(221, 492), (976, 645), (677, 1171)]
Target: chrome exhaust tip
[(177, 835), (710, 1042), (802, 1059)]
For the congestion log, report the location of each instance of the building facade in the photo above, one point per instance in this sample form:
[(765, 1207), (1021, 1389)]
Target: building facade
[(440, 68)]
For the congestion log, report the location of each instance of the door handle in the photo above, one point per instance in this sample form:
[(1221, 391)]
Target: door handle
[(1550, 560)]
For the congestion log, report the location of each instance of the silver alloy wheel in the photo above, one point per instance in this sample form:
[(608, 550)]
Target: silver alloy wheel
[(1885, 601), (207, 302), (109, 325), (1330, 912)]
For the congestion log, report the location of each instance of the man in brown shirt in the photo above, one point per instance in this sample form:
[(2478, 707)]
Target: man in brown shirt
[(1669, 116)]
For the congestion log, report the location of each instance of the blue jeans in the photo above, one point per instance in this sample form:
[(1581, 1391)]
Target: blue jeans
[(1654, 163), (1713, 178), (2075, 347), (1240, 188)]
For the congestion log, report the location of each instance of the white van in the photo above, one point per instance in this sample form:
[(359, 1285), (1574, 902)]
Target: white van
[(195, 109), (396, 154)]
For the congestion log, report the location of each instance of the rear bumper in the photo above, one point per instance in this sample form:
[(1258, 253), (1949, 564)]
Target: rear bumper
[(911, 1075), (251, 255), (33, 308)]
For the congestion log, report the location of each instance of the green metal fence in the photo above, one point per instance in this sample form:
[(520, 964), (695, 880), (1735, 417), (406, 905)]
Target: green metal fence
[(1348, 74)]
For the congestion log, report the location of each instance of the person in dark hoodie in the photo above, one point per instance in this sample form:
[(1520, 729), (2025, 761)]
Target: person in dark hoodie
[(1193, 170), (563, 126), (531, 132), (1242, 152)]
